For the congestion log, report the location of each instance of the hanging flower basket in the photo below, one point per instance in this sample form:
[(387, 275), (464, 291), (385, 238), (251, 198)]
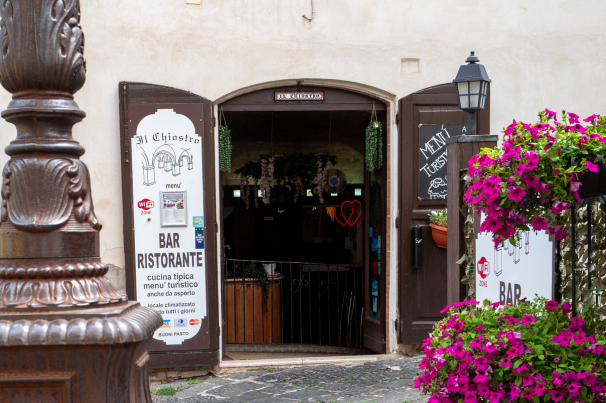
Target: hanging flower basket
[(439, 235), (538, 172)]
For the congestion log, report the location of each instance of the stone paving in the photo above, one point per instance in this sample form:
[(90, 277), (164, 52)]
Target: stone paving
[(385, 381)]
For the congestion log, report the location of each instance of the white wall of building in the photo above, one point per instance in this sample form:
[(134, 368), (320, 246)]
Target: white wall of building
[(539, 53)]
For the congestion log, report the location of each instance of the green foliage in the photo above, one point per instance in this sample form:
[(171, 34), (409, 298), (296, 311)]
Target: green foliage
[(224, 149), (258, 273), (374, 146), (195, 381), (168, 391), (439, 218)]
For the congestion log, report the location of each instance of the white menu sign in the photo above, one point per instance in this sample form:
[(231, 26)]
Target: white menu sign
[(511, 273), (168, 198)]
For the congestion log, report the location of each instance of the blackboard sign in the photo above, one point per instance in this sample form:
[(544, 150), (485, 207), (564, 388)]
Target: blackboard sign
[(432, 158)]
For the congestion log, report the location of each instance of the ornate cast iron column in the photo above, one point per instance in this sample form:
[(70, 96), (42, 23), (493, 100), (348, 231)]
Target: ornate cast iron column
[(66, 335)]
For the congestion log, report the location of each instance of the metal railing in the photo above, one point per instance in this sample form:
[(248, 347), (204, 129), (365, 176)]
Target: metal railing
[(293, 302)]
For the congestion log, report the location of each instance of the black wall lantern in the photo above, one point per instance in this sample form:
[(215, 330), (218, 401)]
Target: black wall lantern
[(472, 84)]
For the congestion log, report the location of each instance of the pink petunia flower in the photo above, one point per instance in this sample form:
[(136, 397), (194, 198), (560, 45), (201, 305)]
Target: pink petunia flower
[(550, 114), (446, 309), (551, 305), (575, 186), (559, 206), (579, 338), (591, 166), (516, 194), (576, 324), (573, 118), (505, 362), (528, 319), (566, 308), (591, 118), (543, 187), (556, 395), (539, 223), (492, 224)]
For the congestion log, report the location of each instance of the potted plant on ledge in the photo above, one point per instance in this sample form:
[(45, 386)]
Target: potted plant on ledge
[(530, 352), (438, 223)]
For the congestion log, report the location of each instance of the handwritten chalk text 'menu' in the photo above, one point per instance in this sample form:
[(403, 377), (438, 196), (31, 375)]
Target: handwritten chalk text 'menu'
[(435, 166), (435, 144)]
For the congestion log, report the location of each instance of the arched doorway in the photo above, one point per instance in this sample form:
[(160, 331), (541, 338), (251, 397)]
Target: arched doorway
[(325, 289)]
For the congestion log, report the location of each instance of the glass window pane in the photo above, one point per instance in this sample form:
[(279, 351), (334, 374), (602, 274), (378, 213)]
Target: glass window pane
[(462, 88), (474, 87), (474, 101), (464, 101), (483, 100)]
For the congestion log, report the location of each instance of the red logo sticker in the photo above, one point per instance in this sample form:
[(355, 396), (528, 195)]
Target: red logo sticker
[(146, 204), (483, 267), (194, 322)]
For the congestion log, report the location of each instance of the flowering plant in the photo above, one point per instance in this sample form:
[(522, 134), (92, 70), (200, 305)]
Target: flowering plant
[(439, 218), (530, 180), (530, 351)]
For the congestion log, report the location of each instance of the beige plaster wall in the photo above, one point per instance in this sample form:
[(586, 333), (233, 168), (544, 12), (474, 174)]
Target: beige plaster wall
[(539, 53)]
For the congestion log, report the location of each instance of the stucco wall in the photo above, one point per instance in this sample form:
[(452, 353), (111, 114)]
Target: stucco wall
[(540, 53)]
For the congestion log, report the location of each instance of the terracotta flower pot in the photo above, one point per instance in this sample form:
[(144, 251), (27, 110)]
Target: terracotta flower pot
[(439, 235)]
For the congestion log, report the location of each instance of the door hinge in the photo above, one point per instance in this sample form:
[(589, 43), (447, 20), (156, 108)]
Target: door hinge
[(216, 227), (213, 121), (397, 118)]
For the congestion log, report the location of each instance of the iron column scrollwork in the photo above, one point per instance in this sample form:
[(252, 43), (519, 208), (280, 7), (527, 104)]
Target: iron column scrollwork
[(64, 330)]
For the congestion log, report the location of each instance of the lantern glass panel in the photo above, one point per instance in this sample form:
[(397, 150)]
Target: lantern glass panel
[(474, 101), (464, 101), (463, 88), (474, 87)]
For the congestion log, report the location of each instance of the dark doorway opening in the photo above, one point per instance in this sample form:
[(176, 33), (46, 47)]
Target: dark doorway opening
[(324, 268)]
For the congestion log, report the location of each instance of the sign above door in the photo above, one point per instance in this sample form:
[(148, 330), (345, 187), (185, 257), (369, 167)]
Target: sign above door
[(299, 96)]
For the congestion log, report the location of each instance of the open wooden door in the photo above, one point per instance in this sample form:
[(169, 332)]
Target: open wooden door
[(374, 292), (170, 224), (426, 118)]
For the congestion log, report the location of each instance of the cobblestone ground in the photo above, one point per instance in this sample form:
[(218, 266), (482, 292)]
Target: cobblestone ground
[(386, 381)]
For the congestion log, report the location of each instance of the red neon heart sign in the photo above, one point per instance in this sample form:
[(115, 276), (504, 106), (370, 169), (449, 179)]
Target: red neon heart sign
[(348, 220)]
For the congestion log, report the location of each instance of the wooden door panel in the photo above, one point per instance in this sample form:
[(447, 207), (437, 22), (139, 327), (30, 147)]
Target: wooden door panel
[(422, 291), (431, 280), (138, 100)]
